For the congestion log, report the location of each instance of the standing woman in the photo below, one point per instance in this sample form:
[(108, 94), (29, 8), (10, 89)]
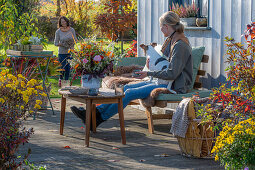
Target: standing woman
[(65, 39)]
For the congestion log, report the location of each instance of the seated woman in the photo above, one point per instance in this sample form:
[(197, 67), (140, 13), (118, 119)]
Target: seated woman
[(177, 49)]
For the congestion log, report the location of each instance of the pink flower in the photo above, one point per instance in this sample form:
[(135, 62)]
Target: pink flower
[(85, 60), (97, 58)]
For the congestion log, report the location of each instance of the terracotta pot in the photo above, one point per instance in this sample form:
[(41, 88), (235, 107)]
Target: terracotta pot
[(36, 48), (26, 48), (201, 22)]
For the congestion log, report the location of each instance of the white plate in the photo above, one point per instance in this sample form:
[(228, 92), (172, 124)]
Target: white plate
[(79, 91)]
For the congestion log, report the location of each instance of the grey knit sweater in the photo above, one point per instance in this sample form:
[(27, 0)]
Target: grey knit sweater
[(180, 68), (66, 39)]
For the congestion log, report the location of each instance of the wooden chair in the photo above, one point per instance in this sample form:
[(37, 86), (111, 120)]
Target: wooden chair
[(163, 99)]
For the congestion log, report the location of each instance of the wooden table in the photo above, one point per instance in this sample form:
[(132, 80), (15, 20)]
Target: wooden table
[(105, 96)]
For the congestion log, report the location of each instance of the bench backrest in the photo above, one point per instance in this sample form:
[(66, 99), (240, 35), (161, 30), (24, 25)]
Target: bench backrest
[(200, 73)]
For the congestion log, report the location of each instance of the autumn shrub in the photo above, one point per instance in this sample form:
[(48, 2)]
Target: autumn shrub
[(235, 104), (235, 145), (18, 100), (46, 27)]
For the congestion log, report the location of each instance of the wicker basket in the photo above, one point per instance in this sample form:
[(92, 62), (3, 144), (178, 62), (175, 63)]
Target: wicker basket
[(199, 139)]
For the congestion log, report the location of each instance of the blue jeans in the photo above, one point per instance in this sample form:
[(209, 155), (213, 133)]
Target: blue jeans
[(132, 91), (64, 65)]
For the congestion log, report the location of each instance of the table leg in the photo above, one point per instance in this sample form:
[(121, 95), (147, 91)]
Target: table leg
[(63, 111), (121, 118), (94, 123), (44, 76), (88, 120)]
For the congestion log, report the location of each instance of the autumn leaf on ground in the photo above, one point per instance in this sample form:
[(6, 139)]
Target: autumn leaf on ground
[(67, 147), (162, 155), (112, 160)]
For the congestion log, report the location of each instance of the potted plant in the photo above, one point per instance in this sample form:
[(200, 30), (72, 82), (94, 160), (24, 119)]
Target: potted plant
[(23, 44), (235, 106), (36, 44), (91, 62), (187, 13)]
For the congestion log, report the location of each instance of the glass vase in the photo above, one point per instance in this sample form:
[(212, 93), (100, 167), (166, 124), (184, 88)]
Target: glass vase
[(91, 83)]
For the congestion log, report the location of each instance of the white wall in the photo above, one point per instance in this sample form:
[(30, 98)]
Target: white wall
[(227, 18)]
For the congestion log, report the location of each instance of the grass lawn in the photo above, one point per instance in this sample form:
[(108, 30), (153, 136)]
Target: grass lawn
[(55, 88)]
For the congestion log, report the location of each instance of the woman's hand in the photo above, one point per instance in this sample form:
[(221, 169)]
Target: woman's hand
[(142, 74)]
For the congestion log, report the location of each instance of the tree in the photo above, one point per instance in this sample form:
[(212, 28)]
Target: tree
[(79, 11), (118, 18), (17, 20), (58, 9)]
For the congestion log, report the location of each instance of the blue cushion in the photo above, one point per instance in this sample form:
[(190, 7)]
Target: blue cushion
[(179, 97), (197, 54)]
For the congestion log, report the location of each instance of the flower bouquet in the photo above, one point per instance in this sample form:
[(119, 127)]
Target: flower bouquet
[(91, 61)]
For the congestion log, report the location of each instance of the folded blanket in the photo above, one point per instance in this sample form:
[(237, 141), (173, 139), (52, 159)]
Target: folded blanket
[(126, 70), (150, 101), (117, 81), (180, 120)]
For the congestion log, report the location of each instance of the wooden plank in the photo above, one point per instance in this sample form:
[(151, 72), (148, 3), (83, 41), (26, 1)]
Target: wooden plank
[(104, 101), (149, 119), (88, 121), (205, 59), (78, 99), (121, 119), (162, 116), (201, 72), (29, 53), (94, 118), (173, 101), (197, 85), (62, 117), (134, 102), (161, 103)]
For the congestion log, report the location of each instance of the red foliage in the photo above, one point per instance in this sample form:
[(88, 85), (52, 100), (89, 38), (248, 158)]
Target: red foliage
[(116, 20), (132, 51), (237, 102)]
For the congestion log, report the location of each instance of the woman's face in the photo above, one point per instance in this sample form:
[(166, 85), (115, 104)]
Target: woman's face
[(166, 30), (63, 22)]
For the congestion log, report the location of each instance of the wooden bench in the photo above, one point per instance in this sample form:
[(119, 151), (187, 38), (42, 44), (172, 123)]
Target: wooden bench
[(163, 99)]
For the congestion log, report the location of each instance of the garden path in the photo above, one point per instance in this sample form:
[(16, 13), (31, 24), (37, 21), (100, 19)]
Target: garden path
[(142, 151)]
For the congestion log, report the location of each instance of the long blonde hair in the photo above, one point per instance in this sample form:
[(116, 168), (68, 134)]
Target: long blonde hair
[(172, 19)]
